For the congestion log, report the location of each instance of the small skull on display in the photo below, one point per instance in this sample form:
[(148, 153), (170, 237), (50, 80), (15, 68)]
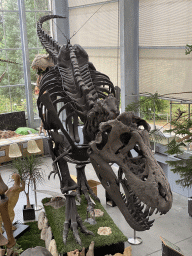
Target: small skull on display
[(145, 186)]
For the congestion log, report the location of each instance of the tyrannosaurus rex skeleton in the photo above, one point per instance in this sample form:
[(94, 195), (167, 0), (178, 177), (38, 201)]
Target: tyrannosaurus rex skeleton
[(109, 138)]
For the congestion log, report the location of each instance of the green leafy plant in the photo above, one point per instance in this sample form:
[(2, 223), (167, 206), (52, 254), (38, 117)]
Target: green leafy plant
[(32, 237), (17, 250), (30, 172), (188, 49), (148, 106), (183, 136)]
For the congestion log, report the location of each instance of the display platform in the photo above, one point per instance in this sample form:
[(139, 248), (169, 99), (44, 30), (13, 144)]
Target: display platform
[(111, 244), (20, 229)]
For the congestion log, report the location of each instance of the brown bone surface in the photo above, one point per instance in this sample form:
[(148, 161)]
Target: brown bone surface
[(145, 186), (89, 95)]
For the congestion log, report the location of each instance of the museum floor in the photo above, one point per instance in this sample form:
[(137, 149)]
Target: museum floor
[(175, 226)]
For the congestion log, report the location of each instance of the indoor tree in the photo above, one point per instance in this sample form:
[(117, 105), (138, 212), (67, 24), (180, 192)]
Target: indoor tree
[(149, 106), (182, 128), (183, 137), (30, 172)]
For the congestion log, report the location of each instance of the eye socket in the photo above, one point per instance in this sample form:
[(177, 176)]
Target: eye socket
[(106, 131), (125, 138)]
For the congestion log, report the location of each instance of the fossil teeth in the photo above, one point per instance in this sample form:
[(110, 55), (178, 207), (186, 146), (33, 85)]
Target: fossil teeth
[(156, 211), (131, 193), (150, 222), (140, 208), (146, 212), (138, 201), (151, 211)]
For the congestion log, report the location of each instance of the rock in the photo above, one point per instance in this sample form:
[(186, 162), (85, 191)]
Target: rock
[(73, 253), (91, 249), (2, 252), (98, 213), (45, 223), (104, 231), (41, 219), (48, 237), (53, 248), (82, 253), (9, 252), (56, 202), (38, 250), (43, 233), (118, 254), (128, 251), (3, 240)]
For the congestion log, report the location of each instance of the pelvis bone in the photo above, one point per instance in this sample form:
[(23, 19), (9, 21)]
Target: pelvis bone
[(146, 189)]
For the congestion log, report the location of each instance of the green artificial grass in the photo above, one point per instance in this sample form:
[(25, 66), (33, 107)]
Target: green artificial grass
[(56, 219), (31, 238)]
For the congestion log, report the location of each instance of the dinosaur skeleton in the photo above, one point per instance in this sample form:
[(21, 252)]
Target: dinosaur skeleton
[(108, 138)]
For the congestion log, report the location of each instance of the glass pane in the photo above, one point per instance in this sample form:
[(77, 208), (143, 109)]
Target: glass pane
[(31, 29), (102, 28), (35, 109), (73, 3), (34, 76), (42, 5), (106, 61), (166, 71), (12, 99), (9, 5), (32, 54), (32, 18), (14, 72), (3, 71), (12, 30), (46, 25), (2, 41), (29, 5)]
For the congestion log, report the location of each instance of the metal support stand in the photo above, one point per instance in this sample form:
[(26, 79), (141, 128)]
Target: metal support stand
[(135, 240)]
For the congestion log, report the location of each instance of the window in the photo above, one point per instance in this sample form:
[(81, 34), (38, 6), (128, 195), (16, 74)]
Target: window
[(13, 89)]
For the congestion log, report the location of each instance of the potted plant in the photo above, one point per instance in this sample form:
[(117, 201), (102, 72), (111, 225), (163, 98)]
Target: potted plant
[(178, 147), (30, 172)]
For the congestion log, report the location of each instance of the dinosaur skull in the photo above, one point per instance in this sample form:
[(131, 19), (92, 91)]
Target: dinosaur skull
[(145, 186)]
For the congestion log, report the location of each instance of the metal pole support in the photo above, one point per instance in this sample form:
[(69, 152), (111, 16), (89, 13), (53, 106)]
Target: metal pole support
[(135, 240)]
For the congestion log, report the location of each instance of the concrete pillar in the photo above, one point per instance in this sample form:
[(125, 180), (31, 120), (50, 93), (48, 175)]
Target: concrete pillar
[(129, 51), (60, 7)]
